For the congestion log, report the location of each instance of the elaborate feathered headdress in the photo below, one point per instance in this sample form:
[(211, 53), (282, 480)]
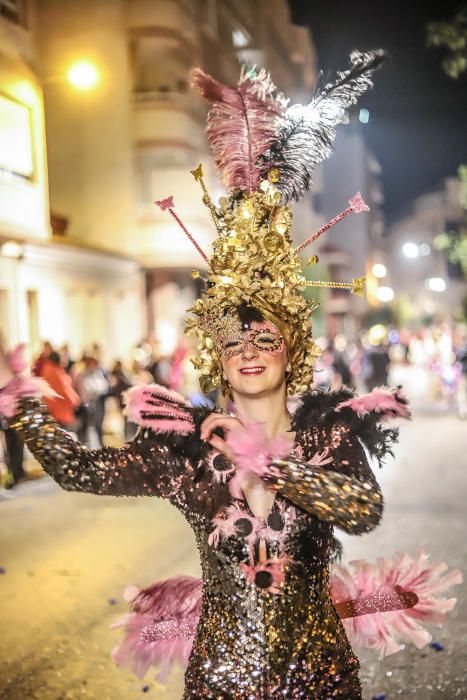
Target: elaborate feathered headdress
[(265, 152)]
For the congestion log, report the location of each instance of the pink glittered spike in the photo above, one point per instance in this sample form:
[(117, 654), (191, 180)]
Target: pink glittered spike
[(168, 203), (356, 204)]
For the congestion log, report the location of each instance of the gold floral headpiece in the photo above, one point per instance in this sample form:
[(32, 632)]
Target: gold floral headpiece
[(265, 152)]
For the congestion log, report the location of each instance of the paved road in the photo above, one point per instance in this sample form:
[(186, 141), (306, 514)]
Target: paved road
[(66, 556)]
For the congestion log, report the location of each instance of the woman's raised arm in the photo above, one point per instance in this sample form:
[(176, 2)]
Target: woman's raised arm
[(148, 466)]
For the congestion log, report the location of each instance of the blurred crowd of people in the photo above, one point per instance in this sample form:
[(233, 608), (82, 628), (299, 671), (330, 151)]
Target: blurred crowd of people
[(431, 363)]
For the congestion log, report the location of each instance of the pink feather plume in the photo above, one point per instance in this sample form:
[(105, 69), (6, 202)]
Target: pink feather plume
[(254, 451), (160, 409), (387, 631), (22, 385), (16, 359), (390, 403), (242, 125), (160, 629)]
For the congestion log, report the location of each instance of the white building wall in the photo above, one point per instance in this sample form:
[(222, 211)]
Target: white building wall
[(80, 297)]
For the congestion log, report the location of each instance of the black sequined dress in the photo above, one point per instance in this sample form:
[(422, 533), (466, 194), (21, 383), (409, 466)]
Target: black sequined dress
[(250, 643)]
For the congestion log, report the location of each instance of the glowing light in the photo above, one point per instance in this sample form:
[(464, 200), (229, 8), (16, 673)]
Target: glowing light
[(385, 294), (11, 249), (379, 270), (167, 335), (410, 250), (364, 116), (340, 343), (83, 75), (377, 334), (435, 284)]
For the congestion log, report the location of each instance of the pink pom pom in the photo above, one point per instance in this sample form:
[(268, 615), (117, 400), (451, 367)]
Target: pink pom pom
[(254, 451), (357, 204)]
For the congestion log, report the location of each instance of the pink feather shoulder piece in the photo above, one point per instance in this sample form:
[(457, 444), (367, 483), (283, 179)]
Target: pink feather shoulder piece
[(389, 403), (158, 408)]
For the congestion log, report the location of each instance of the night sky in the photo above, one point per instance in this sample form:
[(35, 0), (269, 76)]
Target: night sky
[(418, 115)]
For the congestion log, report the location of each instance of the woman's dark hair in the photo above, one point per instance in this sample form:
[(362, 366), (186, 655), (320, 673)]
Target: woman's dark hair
[(248, 314), (55, 358)]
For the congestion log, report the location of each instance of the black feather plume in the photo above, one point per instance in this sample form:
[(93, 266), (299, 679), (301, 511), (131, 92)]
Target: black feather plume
[(308, 133)]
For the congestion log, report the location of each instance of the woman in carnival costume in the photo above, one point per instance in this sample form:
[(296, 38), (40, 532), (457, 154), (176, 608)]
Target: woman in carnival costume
[(261, 488)]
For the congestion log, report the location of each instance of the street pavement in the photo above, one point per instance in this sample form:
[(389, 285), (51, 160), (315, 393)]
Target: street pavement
[(66, 558)]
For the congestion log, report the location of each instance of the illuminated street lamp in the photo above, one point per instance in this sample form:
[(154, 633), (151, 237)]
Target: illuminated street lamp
[(379, 270), (410, 250), (435, 284), (11, 249), (385, 294), (83, 75)]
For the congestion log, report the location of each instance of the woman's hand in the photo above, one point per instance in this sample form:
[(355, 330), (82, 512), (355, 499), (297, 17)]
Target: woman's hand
[(227, 423)]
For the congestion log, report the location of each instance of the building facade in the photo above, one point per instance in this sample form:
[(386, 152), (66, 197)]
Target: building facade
[(51, 288), (352, 248), (105, 155), (427, 286)]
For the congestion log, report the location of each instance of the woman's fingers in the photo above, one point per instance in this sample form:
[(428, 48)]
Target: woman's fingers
[(221, 446), (216, 420)]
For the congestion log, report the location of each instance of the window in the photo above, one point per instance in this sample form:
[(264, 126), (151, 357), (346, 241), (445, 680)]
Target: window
[(16, 153), (13, 10)]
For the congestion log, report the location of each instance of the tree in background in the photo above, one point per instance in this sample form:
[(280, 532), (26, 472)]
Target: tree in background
[(455, 242), (451, 35)]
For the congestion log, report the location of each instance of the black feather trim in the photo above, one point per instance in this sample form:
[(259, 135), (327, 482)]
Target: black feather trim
[(318, 408)]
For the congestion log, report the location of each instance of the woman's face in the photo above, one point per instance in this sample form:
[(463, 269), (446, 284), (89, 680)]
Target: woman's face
[(254, 363)]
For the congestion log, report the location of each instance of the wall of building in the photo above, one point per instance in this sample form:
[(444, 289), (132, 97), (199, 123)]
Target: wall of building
[(62, 293), (24, 206)]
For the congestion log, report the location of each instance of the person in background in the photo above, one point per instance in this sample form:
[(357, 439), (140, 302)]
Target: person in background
[(13, 455), (62, 407), (67, 362), (120, 381), (340, 362), (377, 362), (92, 387), (461, 356), (47, 348)]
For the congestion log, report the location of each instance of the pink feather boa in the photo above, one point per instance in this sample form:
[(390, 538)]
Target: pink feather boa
[(390, 403), (22, 385)]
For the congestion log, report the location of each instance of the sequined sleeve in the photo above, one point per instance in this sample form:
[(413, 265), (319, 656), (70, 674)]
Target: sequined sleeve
[(144, 467), (343, 492)]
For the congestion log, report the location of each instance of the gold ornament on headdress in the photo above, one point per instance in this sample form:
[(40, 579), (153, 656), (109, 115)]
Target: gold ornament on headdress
[(255, 263)]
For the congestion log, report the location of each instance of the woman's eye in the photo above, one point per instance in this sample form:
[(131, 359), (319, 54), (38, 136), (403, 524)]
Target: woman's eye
[(266, 339), (232, 344)]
